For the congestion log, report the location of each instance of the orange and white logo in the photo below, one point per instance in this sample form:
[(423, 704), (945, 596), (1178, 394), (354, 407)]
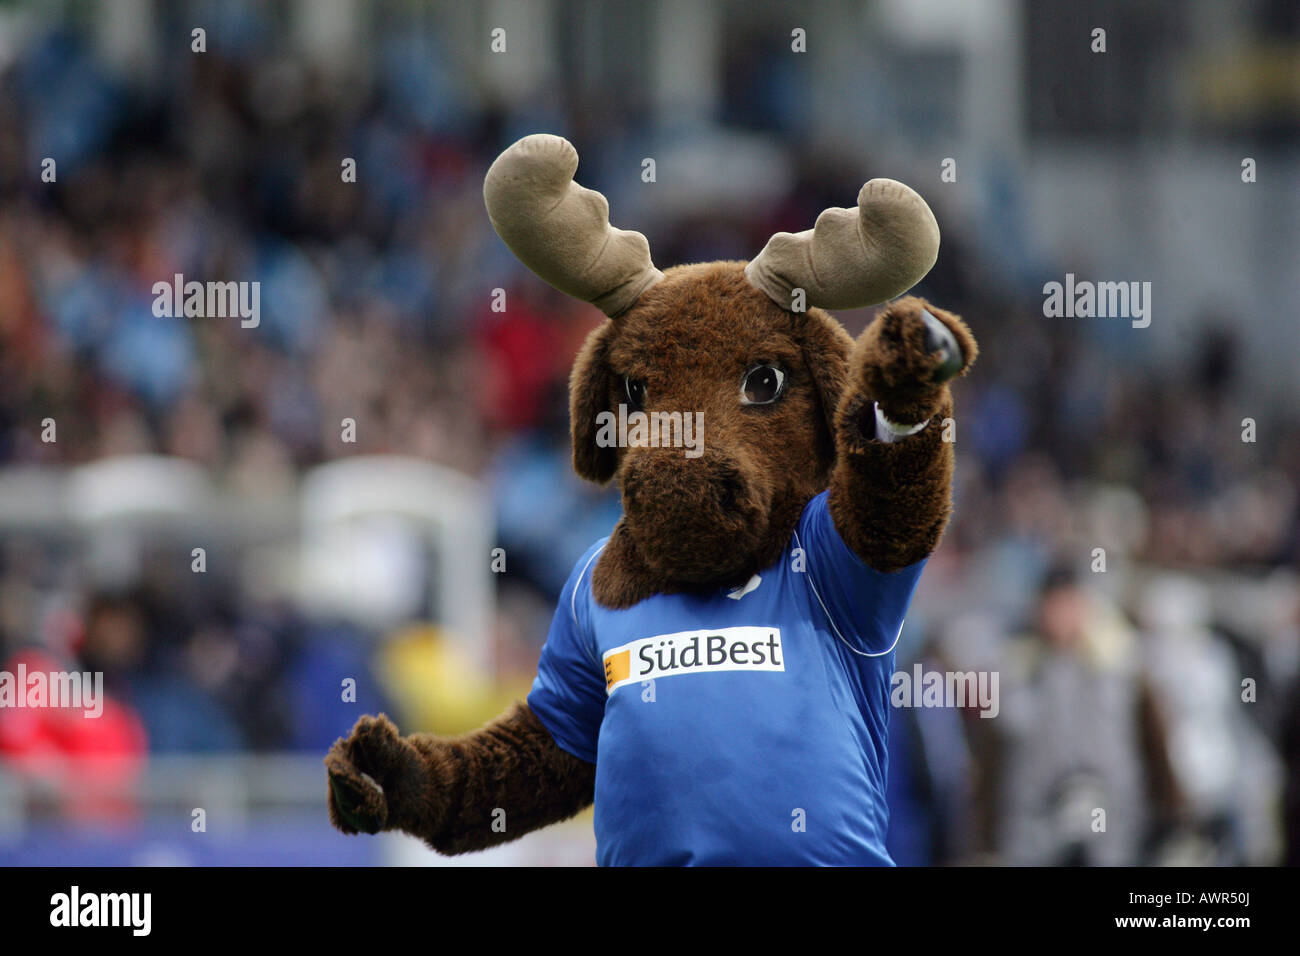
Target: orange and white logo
[(694, 652)]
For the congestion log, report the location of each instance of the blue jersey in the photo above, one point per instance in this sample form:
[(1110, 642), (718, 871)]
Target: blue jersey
[(737, 727)]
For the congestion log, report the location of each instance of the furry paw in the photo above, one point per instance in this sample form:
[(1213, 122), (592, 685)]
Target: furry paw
[(363, 771), (907, 354)]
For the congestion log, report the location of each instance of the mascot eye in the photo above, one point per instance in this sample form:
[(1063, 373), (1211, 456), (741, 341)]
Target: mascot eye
[(762, 385), (635, 389)]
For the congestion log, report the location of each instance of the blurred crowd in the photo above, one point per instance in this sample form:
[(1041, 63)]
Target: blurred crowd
[(1119, 554)]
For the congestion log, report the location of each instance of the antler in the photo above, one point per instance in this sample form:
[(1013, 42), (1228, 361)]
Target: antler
[(852, 257), (560, 230)]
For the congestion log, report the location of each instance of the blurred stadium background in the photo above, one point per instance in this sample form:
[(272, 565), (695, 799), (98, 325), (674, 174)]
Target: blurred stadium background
[(328, 560)]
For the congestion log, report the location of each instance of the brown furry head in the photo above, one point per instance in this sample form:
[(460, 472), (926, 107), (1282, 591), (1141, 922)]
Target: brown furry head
[(709, 350)]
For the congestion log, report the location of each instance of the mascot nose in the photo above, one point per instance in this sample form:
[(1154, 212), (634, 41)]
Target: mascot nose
[(939, 339), (667, 480)]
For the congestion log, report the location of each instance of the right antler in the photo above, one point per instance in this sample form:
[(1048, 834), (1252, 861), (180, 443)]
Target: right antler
[(560, 230), (852, 257)]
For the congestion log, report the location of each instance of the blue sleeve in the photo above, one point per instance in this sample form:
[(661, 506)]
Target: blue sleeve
[(866, 607), (568, 695)]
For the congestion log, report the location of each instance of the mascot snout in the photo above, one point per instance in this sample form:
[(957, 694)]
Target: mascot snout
[(694, 519)]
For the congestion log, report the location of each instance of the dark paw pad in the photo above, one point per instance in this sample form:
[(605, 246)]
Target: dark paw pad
[(939, 339)]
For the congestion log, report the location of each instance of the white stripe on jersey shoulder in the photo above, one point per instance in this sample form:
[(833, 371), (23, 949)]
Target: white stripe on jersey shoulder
[(832, 620), (573, 598), (573, 604)]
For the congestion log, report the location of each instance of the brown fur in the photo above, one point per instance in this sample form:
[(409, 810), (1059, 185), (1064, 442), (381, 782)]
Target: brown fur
[(691, 523), (445, 790), (891, 501), (892, 366)]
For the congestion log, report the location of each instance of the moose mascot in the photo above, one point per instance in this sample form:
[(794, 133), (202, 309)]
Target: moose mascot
[(716, 678)]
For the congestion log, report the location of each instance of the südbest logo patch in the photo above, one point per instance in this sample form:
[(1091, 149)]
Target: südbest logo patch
[(694, 652)]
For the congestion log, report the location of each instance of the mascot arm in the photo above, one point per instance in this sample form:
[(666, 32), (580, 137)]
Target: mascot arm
[(890, 499), (458, 794)]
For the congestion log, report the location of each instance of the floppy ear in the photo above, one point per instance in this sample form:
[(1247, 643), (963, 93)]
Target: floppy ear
[(826, 347), (591, 384)]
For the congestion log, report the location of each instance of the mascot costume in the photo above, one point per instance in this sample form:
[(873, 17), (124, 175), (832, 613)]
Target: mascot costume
[(716, 678)]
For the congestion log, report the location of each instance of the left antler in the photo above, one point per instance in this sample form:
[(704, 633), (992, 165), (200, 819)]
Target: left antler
[(560, 230)]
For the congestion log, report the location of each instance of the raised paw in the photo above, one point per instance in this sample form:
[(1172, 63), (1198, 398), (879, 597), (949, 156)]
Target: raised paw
[(907, 354)]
